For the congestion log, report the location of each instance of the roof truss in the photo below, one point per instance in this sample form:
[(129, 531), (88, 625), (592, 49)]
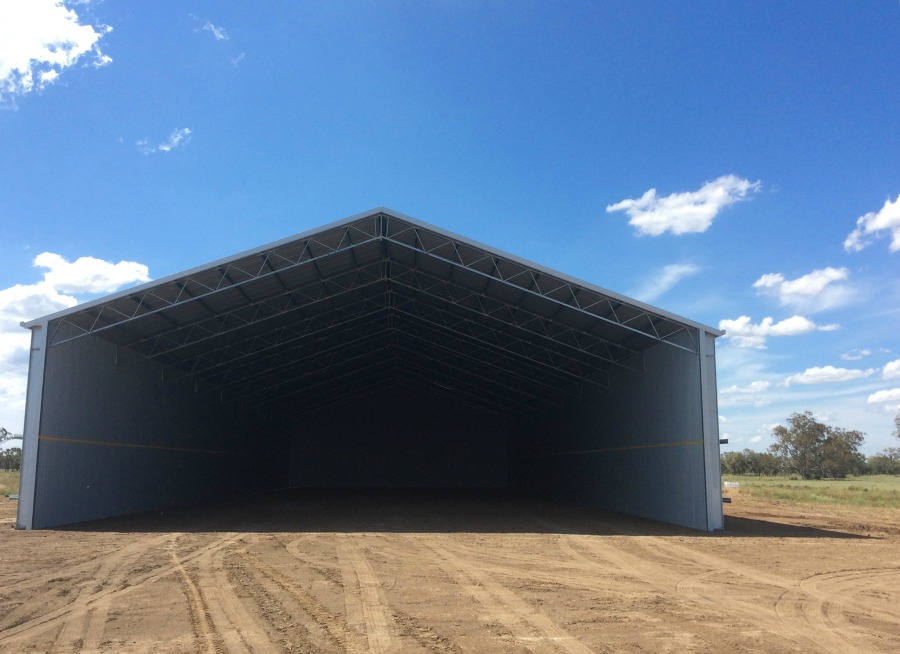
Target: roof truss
[(325, 316)]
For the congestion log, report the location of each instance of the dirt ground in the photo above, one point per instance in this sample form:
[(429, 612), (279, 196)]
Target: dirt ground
[(393, 572)]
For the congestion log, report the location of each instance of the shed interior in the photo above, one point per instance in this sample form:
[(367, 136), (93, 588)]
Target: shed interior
[(375, 352)]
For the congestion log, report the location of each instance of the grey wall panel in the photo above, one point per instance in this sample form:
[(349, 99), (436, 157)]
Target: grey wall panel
[(399, 438), (116, 438), (636, 447), (712, 461), (30, 445), (95, 481)]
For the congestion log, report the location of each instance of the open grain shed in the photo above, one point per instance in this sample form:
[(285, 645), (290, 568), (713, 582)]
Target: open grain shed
[(377, 351)]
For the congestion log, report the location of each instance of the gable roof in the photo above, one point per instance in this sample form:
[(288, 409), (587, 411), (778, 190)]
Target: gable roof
[(378, 298)]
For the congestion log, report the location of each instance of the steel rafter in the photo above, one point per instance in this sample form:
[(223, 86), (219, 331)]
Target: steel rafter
[(447, 384), (479, 400), (492, 362), (248, 351), (313, 250), (207, 283), (298, 299), (448, 322), (431, 362), (449, 331), (491, 267), (330, 365), (340, 340), (520, 379), (381, 377), (498, 358), (335, 378), (506, 315), (303, 311), (404, 359)]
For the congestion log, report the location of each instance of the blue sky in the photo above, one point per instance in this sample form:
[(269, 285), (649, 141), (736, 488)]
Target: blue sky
[(736, 163)]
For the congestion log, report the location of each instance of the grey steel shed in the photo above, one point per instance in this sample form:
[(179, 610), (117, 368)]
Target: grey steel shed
[(377, 351)]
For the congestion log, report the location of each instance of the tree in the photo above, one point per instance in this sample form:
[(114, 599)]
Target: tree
[(733, 463), (897, 425), (11, 459), (769, 464), (814, 450), (841, 453), (750, 462), (886, 462)]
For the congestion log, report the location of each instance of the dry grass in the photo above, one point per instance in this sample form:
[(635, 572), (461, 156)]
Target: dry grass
[(872, 491), (9, 482)]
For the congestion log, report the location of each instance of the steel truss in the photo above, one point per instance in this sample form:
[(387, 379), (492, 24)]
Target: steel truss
[(320, 315)]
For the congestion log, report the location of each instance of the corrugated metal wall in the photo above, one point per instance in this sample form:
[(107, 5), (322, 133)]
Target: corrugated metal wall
[(118, 439), (637, 447)]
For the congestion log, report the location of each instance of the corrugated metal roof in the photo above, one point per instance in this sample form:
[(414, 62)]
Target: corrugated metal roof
[(378, 298)]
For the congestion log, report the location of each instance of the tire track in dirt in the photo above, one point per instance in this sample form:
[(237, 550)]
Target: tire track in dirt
[(813, 607), (282, 625), (113, 572), (427, 636), (81, 606), (87, 569), (324, 568), (692, 587), (334, 626), (38, 580), (530, 627), (568, 573), (200, 620), (614, 550), (839, 587), (364, 599), (515, 566), (696, 589), (823, 600), (239, 631)]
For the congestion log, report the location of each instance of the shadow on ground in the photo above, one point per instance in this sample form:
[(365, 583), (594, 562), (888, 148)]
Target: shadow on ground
[(291, 511)]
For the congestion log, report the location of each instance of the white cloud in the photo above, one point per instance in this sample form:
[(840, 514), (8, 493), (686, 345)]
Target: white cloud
[(872, 225), (89, 275), (684, 213), (756, 439), (61, 282), (891, 370), (815, 291), (176, 138), (664, 280), (39, 39), (892, 395), (753, 387), (827, 375), (856, 355), (218, 32), (743, 333), (22, 302)]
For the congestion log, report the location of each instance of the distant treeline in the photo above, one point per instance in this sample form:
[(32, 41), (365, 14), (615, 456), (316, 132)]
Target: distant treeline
[(767, 464), (11, 459), (813, 450)]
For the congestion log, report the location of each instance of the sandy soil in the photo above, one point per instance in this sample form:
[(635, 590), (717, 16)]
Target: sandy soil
[(451, 573)]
